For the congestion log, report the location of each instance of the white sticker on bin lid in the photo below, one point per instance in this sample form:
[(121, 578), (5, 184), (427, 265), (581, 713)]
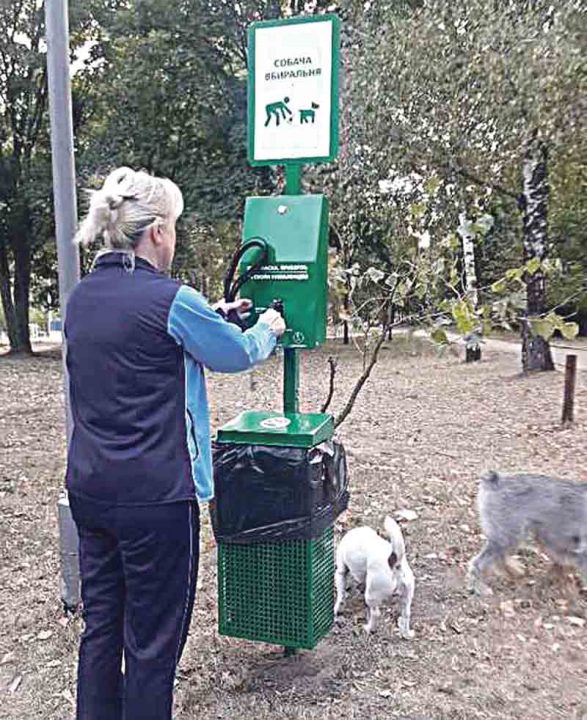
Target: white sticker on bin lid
[(275, 423)]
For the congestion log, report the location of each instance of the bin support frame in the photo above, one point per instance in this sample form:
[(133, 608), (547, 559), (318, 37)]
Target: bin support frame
[(315, 573)]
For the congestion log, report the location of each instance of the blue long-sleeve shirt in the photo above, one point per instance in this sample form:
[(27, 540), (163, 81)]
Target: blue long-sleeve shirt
[(137, 346)]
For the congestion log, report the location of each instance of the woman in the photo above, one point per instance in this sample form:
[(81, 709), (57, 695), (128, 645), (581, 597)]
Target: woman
[(139, 457)]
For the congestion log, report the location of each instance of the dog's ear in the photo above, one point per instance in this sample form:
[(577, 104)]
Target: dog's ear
[(392, 560)]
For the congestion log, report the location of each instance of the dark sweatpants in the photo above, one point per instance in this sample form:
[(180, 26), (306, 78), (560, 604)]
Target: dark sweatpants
[(138, 570)]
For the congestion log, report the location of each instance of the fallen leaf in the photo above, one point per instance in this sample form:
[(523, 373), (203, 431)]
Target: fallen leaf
[(447, 689), (406, 515), (577, 621), (67, 695), (507, 607), (9, 657), (14, 685), (44, 635)]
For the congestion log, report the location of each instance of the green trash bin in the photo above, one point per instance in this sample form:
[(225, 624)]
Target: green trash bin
[(277, 592), (276, 554)]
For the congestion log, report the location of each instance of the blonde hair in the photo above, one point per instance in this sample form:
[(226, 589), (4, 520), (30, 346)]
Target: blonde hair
[(126, 205)]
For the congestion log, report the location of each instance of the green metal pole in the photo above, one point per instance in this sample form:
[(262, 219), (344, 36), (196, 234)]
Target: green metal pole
[(291, 380), (293, 179), (291, 359)]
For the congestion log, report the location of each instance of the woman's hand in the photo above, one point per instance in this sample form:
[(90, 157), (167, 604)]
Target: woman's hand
[(274, 320), (242, 307)]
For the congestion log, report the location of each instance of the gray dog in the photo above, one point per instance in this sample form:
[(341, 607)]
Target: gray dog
[(514, 506)]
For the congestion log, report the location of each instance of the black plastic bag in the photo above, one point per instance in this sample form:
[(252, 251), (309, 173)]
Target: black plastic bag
[(267, 493)]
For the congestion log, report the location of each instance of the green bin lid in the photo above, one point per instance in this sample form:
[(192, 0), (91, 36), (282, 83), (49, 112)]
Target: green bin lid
[(254, 427)]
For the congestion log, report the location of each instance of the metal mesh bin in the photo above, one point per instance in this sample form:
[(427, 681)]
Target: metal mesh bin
[(277, 592)]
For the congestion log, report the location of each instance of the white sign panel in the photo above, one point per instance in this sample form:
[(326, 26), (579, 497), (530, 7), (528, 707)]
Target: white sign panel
[(293, 90)]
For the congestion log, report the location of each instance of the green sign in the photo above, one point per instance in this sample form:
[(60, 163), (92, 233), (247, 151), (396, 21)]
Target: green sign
[(293, 90)]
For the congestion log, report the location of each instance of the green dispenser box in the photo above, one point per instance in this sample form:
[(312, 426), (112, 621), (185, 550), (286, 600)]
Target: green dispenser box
[(295, 228)]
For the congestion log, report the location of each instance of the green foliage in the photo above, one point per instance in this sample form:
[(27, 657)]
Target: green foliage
[(464, 316), (439, 336), (204, 253), (164, 89), (448, 136), (545, 327), (162, 86), (37, 316), (26, 222), (167, 94)]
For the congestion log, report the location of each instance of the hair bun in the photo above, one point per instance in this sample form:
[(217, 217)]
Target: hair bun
[(114, 201), (120, 182), (121, 224)]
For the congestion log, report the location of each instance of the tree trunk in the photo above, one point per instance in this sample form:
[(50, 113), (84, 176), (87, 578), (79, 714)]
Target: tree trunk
[(22, 282), (534, 206), (6, 294), (473, 354), (468, 238), (15, 294), (345, 325), (391, 321), (473, 350), (273, 10)]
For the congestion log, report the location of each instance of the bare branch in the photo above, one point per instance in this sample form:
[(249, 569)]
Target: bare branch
[(468, 175), (448, 168), (342, 416), (332, 363), (579, 293)]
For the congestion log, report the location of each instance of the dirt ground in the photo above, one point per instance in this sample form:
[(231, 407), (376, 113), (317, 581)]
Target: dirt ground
[(424, 428)]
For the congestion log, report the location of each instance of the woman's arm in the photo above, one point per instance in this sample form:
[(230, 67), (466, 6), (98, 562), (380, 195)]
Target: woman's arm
[(217, 344)]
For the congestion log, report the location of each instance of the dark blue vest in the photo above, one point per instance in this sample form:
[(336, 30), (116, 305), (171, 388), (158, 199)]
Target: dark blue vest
[(127, 385)]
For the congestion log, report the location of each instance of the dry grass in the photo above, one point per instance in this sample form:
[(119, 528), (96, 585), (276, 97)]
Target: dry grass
[(421, 432)]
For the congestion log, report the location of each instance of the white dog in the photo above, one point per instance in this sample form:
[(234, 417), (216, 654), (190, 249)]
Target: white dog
[(381, 567)]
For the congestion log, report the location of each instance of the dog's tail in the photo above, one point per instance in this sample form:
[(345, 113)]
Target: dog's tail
[(490, 480), (394, 533)]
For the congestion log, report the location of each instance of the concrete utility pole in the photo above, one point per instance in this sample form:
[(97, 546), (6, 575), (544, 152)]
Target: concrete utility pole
[(64, 195)]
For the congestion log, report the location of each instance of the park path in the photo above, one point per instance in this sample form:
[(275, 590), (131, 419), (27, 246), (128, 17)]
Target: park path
[(559, 351), (513, 347)]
